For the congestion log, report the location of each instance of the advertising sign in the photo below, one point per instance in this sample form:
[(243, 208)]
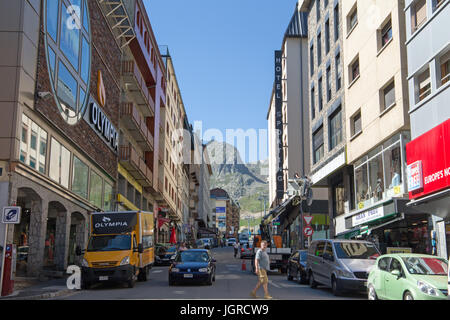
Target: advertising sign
[(391, 250), (113, 223), (279, 122), (432, 151), (367, 216), (220, 210)]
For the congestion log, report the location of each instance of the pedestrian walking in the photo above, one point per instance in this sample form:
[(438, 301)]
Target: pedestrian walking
[(262, 264), (236, 249)]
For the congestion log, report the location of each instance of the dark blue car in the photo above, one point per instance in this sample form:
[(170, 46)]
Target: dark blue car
[(193, 266)]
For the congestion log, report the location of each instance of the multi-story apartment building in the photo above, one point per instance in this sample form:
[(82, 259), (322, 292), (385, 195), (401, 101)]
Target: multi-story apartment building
[(378, 124), (60, 97), (428, 154), (143, 96), (227, 213), (327, 131)]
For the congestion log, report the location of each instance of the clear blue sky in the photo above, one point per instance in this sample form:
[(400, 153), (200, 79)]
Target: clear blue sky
[(223, 53)]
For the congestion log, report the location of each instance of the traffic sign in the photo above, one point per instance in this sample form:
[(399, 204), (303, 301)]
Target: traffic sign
[(308, 219), (308, 231), (11, 215)]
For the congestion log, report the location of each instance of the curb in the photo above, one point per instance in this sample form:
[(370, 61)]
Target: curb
[(41, 296)]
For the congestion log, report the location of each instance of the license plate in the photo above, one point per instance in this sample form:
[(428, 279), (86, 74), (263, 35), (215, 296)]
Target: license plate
[(104, 278), (188, 275)]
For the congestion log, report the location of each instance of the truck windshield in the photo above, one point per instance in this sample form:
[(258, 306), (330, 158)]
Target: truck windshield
[(110, 243), (356, 250)]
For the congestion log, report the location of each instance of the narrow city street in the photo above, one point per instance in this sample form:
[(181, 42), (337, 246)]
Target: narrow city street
[(231, 283)]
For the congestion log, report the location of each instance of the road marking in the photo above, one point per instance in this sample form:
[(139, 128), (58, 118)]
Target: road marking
[(275, 285), (179, 292), (157, 271)]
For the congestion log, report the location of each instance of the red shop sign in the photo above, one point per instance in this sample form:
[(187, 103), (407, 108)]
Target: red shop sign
[(432, 151)]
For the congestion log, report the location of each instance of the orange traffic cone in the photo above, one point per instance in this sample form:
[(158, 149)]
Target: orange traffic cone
[(244, 265)]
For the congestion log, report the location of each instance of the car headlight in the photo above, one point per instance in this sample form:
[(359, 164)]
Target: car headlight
[(174, 270), (427, 288), (125, 261), (345, 274), (173, 257), (203, 270), (84, 263)]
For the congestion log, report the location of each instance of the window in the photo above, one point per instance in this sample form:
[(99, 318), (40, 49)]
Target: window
[(318, 9), (338, 72), (95, 191), (418, 14), (319, 249), (108, 197), (318, 145), (424, 85), (80, 178), (33, 145), (313, 104), (383, 264), (311, 59), (356, 126), (385, 34), (59, 163), (335, 129), (327, 36), (437, 4), (68, 56), (320, 93), (329, 83), (352, 19), (445, 68), (361, 185), (354, 70), (388, 96), (376, 178), (336, 22), (319, 48)]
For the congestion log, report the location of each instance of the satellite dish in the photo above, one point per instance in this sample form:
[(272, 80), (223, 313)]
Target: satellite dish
[(309, 198)]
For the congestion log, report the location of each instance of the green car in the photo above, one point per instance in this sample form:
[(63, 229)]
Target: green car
[(408, 276)]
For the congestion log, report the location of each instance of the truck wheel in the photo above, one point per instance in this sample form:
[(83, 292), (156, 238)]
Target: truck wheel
[(334, 287)]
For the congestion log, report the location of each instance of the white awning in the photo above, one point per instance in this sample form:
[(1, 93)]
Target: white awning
[(437, 204)]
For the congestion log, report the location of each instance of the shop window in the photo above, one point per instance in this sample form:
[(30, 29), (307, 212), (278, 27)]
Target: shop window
[(59, 163), (361, 186), (80, 178), (108, 197), (95, 191), (393, 170), (376, 178)]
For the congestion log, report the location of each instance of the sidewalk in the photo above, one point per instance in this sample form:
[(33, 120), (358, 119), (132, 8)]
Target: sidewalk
[(32, 289)]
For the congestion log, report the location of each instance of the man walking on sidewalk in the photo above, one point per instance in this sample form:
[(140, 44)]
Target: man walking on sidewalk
[(262, 264)]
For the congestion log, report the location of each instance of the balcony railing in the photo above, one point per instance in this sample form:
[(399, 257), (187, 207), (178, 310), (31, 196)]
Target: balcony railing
[(136, 125), (137, 87), (135, 165)]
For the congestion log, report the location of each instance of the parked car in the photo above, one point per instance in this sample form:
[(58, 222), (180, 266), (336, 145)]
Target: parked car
[(231, 242), (343, 265), (246, 251), (199, 244), (297, 266), (193, 265), (164, 255), (408, 276), (207, 243)]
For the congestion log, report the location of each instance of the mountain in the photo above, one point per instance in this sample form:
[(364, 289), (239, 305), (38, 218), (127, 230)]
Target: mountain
[(243, 182)]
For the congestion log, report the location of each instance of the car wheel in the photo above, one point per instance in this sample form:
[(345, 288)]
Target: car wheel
[(289, 277), (371, 293), (312, 282), (408, 296), (334, 287)]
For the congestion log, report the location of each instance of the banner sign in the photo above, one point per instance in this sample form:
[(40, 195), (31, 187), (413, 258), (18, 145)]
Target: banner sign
[(431, 152), (279, 122), (113, 223), (367, 216)]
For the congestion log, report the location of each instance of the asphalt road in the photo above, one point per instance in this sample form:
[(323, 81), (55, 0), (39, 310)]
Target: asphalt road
[(232, 283)]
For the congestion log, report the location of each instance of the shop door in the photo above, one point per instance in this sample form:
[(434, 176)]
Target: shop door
[(49, 251), (72, 244)]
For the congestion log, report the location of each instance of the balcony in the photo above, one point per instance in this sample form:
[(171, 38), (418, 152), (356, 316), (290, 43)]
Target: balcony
[(135, 165), (136, 86), (135, 124)]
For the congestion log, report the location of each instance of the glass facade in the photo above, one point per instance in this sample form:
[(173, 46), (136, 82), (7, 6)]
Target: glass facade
[(33, 145), (95, 192), (380, 175), (80, 177)]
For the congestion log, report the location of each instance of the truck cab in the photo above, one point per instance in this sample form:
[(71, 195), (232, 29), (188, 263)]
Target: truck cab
[(120, 248)]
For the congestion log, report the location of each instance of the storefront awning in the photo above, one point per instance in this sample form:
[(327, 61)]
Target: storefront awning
[(437, 204)]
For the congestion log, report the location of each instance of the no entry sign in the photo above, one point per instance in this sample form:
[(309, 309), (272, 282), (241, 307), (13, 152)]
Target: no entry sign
[(308, 231)]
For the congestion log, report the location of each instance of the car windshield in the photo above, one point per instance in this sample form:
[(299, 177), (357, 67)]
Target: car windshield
[(168, 250), (192, 256), (426, 266), (110, 243), (356, 250)]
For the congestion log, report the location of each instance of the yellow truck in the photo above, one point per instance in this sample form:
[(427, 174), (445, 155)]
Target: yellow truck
[(120, 248)]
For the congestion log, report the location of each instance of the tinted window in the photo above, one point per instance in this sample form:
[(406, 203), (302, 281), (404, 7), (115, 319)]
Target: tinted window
[(356, 250), (192, 256), (319, 249)]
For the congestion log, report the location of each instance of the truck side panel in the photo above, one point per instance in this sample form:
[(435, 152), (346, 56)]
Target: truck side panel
[(145, 235)]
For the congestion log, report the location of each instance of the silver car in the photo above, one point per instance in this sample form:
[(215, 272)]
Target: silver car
[(343, 265)]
